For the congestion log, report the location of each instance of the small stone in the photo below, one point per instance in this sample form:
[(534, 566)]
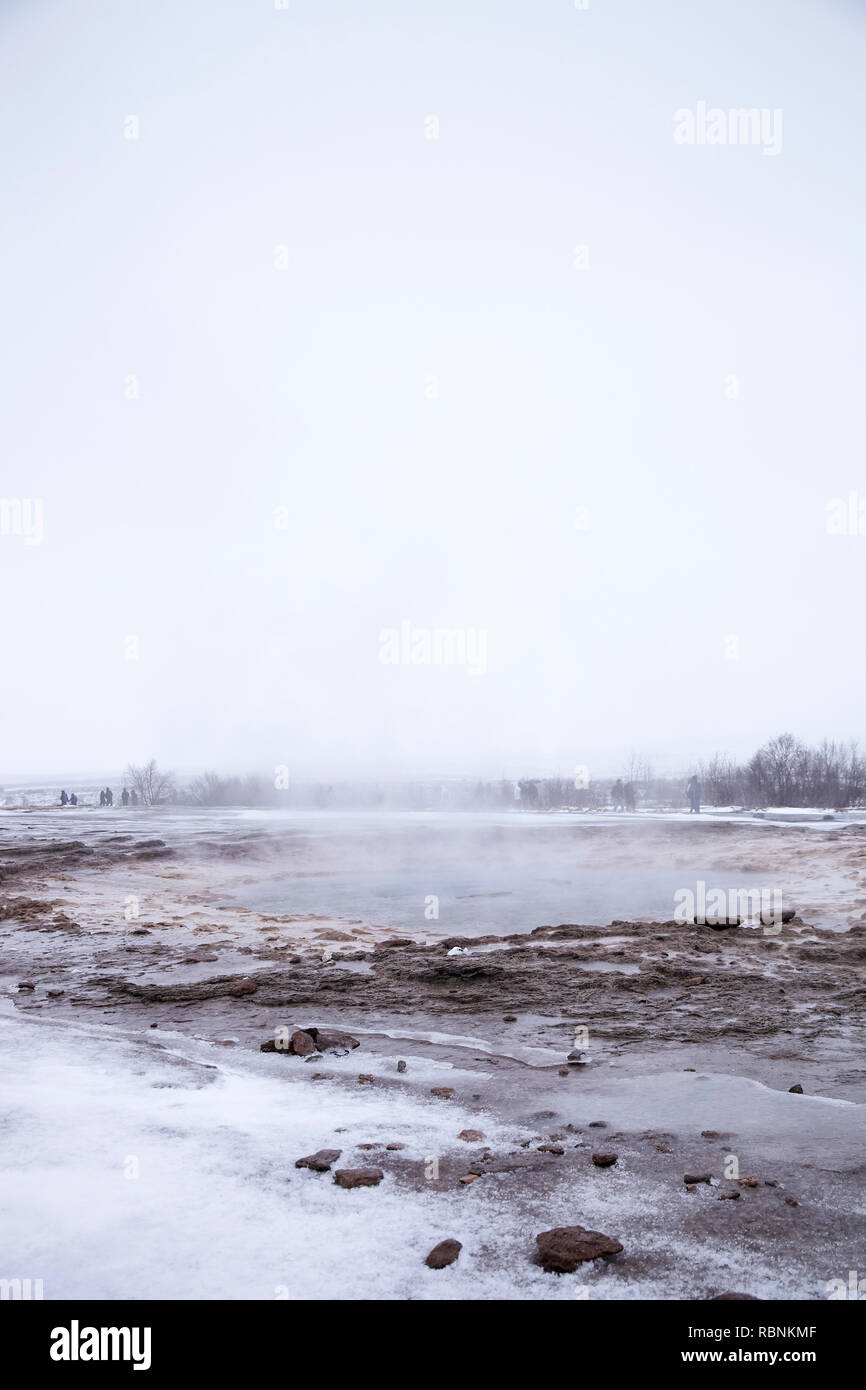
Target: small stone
[(365, 1078), (604, 1160), (56, 993), (443, 1254), (471, 1136), (395, 1146), (598, 1124), (470, 1177), (358, 1177), (710, 1134), (730, 1196), (576, 1059), (663, 1148), (747, 1181), (446, 1092), (367, 1146), (696, 1177), (322, 1075), (509, 1018), (689, 1068), (401, 1065), (792, 1090), (551, 1149), (792, 1201), (562, 1249), (26, 985), (320, 1161)]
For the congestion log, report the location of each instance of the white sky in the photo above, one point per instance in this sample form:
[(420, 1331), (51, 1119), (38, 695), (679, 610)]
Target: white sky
[(410, 257)]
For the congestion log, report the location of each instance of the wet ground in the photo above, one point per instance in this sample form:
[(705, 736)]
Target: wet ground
[(130, 934)]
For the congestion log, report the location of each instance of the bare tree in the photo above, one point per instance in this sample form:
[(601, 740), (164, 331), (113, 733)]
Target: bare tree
[(153, 786)]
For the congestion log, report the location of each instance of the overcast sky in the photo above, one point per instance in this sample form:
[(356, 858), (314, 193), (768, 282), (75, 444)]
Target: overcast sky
[(337, 273)]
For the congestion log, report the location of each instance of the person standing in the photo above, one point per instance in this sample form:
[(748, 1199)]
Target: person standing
[(64, 799), (618, 794), (102, 797), (694, 794), (124, 796), (109, 796)]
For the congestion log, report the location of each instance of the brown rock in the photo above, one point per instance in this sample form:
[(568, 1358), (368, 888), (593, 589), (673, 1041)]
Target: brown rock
[(327, 1038), (562, 1249), (792, 1201), (509, 1018), (748, 1181), (710, 1134), (322, 1075), (301, 1044), (663, 1148), (358, 1177), (471, 1136), (696, 1177), (395, 1146), (604, 1160), (792, 1090), (446, 1092), (730, 1196), (243, 986), (445, 1253), (401, 1065), (551, 1149), (470, 1177), (365, 1078), (320, 1161)]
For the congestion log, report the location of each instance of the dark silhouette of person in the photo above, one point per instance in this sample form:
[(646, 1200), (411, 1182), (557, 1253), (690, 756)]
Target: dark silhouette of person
[(102, 797), (618, 795), (133, 796), (124, 796), (628, 793), (73, 800), (109, 796), (693, 791), (64, 799)]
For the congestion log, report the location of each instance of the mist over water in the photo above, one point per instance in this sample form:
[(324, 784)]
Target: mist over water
[(480, 874)]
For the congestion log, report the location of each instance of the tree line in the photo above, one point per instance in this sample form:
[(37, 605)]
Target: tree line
[(784, 772)]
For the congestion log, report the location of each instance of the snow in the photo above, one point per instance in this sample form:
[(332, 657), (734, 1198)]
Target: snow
[(218, 1209)]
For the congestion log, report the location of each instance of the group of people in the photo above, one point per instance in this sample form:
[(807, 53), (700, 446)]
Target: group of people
[(106, 797), (623, 795)]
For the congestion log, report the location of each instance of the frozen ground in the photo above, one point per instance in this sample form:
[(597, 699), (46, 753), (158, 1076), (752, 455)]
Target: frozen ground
[(148, 1145)]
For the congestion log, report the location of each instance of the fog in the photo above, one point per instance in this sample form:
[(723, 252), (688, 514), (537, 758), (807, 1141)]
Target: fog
[(387, 389)]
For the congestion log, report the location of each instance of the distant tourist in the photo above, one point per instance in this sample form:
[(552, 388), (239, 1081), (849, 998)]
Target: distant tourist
[(102, 797), (64, 799), (109, 796), (618, 795), (73, 800), (693, 791), (133, 796), (124, 796)]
